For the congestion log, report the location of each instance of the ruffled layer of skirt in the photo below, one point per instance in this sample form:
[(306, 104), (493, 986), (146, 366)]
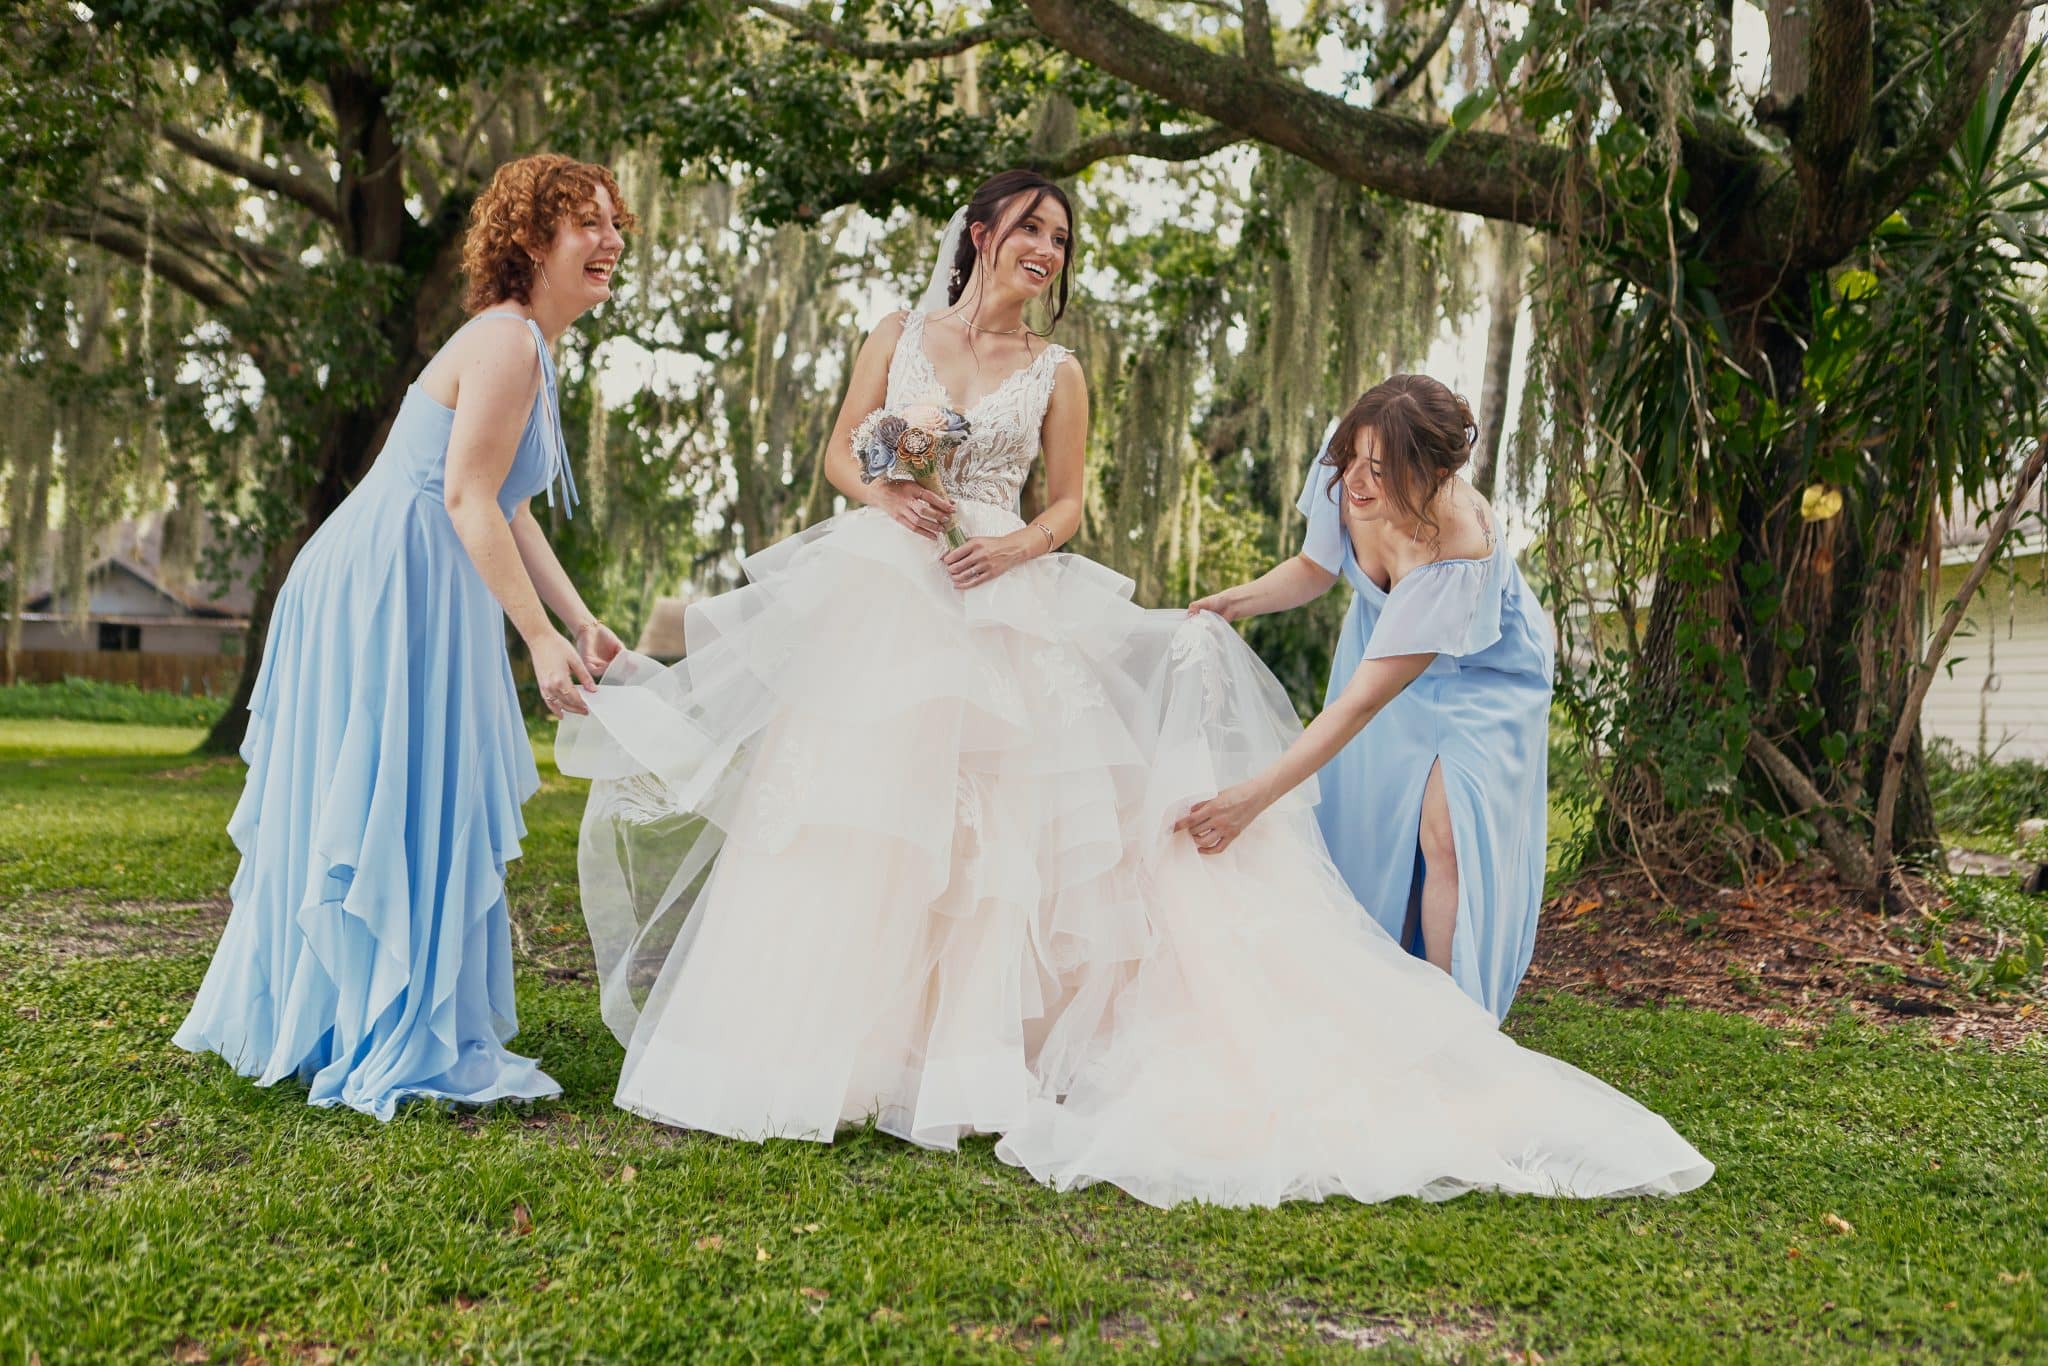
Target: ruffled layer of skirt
[(369, 953)]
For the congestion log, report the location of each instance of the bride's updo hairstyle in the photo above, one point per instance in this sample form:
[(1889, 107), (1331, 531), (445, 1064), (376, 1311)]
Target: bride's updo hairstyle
[(992, 206), (1423, 434)]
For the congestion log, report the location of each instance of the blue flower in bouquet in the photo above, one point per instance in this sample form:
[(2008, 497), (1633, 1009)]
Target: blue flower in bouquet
[(878, 454)]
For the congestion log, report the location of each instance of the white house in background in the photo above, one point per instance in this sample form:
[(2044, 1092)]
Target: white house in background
[(138, 603), (1991, 696)]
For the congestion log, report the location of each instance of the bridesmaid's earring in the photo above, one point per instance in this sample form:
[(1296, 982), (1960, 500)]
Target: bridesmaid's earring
[(542, 268)]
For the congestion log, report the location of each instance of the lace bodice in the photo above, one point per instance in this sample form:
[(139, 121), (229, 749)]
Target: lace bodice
[(991, 465)]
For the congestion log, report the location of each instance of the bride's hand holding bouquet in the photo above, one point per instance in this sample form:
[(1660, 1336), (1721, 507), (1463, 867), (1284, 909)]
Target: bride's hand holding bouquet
[(915, 440)]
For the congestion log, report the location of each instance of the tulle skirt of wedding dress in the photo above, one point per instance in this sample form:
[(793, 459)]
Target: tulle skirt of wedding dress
[(879, 848)]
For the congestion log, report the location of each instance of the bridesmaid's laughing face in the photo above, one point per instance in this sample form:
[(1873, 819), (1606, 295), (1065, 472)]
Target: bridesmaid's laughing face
[(1364, 497), (580, 261)]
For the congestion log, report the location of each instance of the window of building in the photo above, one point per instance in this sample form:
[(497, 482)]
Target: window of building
[(116, 637)]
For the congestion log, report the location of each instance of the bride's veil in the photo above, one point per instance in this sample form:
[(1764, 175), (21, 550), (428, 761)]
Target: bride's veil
[(934, 299)]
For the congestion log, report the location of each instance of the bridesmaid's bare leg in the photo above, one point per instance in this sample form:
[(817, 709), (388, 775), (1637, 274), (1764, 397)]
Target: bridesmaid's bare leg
[(1440, 877)]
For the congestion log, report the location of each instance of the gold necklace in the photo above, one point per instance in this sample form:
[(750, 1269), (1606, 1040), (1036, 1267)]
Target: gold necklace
[(969, 322)]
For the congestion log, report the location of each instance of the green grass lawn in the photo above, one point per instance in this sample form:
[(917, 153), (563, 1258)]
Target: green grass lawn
[(1878, 1197)]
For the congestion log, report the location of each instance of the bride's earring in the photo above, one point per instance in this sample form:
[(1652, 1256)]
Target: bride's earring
[(541, 266)]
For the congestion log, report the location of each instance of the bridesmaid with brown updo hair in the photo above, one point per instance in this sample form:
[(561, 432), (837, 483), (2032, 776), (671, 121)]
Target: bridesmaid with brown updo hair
[(1432, 748)]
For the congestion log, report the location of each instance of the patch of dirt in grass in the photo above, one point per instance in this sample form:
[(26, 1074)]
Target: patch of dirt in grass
[(555, 945), (1119, 1328), (187, 772), (1437, 1334), (1791, 951), (67, 929), (1039, 1333)]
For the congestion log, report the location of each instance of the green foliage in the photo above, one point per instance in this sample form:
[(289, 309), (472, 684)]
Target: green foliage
[(1742, 500), (132, 1173), (84, 699), (1986, 797), (2005, 949)]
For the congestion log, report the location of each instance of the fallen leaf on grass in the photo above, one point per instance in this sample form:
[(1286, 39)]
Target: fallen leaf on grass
[(710, 1243), (1581, 906), (1041, 1321), (626, 1174), (811, 1292), (2010, 1278), (1187, 1295), (1791, 1252), (884, 1314), (522, 1221), (760, 1254), (1838, 1223), (189, 1350)]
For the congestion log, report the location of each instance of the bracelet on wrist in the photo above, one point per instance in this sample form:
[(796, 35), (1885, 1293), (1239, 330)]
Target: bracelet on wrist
[(1040, 526)]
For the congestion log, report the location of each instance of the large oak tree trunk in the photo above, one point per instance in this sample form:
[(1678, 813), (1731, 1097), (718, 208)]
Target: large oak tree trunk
[(1504, 306)]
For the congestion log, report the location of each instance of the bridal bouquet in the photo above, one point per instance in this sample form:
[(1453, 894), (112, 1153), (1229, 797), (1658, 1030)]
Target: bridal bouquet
[(917, 439)]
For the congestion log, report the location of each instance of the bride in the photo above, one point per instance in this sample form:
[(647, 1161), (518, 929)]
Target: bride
[(895, 841)]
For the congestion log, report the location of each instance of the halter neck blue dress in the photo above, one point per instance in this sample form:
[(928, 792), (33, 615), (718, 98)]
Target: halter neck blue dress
[(1481, 709), (368, 953)]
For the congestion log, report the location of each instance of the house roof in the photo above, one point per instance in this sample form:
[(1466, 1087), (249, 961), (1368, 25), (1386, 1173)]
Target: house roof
[(1964, 529), (136, 546)]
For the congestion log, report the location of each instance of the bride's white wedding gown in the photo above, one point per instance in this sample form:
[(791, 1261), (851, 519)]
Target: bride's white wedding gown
[(882, 848)]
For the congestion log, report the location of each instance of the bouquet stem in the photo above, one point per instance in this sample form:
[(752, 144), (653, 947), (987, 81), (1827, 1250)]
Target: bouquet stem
[(927, 476)]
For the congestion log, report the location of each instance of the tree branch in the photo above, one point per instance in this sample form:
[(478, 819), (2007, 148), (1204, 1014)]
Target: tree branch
[(1491, 174), (1258, 34), (198, 236), (196, 279), (1850, 858), (879, 185), (1839, 61), (320, 199), (1157, 146), (827, 34), (1930, 663), (1399, 82), (1918, 155)]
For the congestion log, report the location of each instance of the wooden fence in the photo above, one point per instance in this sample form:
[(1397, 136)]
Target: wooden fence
[(189, 675)]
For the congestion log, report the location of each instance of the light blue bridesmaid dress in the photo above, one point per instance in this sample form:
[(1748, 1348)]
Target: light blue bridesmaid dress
[(369, 950), (1481, 709)]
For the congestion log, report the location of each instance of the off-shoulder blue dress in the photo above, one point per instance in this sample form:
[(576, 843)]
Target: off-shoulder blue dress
[(369, 952), (1481, 709)]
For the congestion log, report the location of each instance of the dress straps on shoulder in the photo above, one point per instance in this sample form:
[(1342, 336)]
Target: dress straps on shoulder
[(551, 413)]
